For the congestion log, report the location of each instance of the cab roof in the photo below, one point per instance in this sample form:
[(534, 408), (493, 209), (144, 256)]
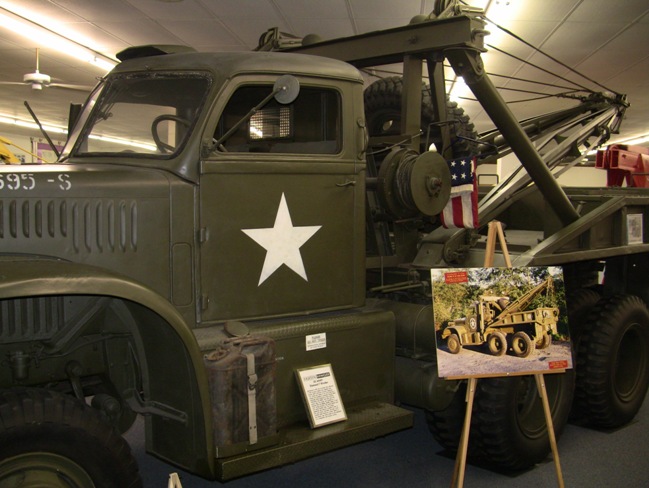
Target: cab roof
[(226, 64)]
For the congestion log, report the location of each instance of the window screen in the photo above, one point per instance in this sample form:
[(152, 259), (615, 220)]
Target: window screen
[(309, 125)]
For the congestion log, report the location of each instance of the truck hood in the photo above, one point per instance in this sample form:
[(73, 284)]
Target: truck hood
[(116, 217), (92, 181)]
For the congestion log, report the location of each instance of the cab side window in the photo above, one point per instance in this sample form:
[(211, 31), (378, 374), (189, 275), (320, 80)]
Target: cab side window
[(309, 125)]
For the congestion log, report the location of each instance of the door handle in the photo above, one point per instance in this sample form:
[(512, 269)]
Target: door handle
[(346, 183)]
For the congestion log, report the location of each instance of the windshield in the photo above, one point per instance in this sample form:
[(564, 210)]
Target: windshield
[(143, 114)]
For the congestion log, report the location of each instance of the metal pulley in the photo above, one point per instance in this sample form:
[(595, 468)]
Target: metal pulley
[(410, 184)]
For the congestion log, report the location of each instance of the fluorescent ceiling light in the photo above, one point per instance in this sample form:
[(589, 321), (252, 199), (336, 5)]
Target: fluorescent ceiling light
[(43, 36), (634, 142), (7, 119)]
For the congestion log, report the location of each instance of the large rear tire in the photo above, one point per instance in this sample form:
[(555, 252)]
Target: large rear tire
[(522, 345), (497, 343), (446, 425), (508, 427), (51, 439), (508, 424), (613, 361), (580, 303)]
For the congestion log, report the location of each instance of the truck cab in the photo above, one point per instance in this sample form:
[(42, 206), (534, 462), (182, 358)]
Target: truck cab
[(194, 199)]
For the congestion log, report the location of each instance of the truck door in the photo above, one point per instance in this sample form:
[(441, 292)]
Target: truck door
[(281, 208)]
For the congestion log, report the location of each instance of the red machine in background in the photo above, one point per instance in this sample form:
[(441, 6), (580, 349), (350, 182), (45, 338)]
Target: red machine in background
[(625, 163)]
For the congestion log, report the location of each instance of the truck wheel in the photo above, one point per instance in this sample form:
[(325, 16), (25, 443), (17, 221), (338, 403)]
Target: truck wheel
[(508, 424), (613, 361), (522, 344), (383, 116), (51, 439), (579, 303), (446, 425), (497, 343), (544, 341), (453, 343)]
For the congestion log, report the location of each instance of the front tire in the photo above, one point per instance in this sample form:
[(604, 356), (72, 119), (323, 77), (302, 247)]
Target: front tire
[(53, 439), (453, 343)]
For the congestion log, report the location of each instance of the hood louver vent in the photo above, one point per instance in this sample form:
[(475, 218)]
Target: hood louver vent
[(85, 225)]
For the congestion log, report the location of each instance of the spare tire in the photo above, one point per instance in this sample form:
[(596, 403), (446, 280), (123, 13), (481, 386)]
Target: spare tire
[(383, 117)]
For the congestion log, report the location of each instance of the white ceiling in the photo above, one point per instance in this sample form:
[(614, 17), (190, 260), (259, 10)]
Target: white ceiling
[(606, 40)]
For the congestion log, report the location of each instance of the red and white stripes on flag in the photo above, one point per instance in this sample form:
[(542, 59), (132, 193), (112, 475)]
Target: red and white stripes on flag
[(462, 207)]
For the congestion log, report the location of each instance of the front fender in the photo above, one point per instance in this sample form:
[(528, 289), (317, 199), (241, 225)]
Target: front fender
[(453, 329), (173, 361)]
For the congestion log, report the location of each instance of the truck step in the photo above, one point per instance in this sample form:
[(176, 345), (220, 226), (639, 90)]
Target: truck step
[(300, 442)]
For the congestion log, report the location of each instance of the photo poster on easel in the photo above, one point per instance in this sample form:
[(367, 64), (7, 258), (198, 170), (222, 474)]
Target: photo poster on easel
[(500, 321)]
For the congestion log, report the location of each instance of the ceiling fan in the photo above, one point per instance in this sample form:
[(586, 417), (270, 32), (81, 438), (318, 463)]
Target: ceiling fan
[(38, 80)]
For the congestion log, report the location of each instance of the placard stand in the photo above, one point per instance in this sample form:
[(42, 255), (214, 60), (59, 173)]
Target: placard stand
[(496, 231)]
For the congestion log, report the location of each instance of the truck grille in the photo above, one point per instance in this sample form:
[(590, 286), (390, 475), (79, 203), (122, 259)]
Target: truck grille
[(30, 318), (98, 225)]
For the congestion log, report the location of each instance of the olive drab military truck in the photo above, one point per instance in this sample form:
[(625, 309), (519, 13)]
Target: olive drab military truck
[(217, 223), (498, 323)]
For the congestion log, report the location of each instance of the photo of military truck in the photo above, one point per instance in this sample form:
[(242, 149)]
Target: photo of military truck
[(500, 320)]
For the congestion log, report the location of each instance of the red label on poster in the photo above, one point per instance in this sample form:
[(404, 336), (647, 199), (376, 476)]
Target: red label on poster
[(456, 277), (563, 364)]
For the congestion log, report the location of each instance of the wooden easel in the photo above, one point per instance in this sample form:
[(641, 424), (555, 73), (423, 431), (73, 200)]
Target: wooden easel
[(174, 481), (496, 231)]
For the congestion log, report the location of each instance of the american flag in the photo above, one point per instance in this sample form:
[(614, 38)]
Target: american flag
[(462, 207)]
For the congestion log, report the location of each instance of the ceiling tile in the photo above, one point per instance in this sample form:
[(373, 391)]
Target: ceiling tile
[(601, 11), (157, 10), (45, 10), (242, 9), (325, 28), (138, 32), (204, 32), (386, 9), (296, 9)]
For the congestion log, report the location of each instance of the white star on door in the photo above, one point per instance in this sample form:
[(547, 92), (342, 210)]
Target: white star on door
[(282, 243)]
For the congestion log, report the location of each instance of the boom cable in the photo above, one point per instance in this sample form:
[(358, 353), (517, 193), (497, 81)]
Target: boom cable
[(540, 51)]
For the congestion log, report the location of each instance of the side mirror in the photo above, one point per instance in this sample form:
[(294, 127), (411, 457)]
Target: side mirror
[(286, 89)]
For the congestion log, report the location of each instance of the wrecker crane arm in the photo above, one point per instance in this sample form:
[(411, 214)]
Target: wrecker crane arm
[(539, 143), (523, 302)]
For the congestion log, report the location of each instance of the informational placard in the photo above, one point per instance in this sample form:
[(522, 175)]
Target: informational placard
[(634, 229), (321, 395), (316, 341)]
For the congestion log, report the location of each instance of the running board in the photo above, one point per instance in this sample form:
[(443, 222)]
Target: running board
[(301, 442)]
